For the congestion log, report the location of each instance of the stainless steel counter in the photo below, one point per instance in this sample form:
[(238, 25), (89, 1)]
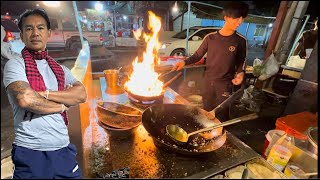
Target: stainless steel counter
[(112, 151)]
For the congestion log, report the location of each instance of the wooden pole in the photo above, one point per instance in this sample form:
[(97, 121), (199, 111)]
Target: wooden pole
[(277, 28), (274, 34)]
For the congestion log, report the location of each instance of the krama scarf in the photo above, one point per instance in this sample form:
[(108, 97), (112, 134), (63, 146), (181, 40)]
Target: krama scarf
[(35, 78)]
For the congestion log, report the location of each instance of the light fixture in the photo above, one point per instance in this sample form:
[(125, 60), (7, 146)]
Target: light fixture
[(175, 7), (37, 5), (124, 17), (98, 6), (52, 3), (270, 25)]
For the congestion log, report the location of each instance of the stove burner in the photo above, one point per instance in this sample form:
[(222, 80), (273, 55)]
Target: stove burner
[(144, 102)]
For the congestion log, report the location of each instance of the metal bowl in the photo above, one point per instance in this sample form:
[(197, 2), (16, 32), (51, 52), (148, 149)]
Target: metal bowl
[(118, 116), (312, 134)]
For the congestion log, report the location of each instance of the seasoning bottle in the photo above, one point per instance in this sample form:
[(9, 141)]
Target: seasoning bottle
[(293, 171), (281, 152)]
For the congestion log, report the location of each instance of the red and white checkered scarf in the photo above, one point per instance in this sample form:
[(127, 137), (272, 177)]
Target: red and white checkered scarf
[(35, 78)]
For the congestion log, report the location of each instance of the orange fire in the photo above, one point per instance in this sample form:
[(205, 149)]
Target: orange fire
[(144, 80)]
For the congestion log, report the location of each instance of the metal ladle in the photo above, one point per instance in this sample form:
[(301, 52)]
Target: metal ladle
[(310, 174), (180, 135), (245, 174)]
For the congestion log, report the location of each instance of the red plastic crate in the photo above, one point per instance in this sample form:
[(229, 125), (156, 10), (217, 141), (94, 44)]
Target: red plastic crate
[(297, 124)]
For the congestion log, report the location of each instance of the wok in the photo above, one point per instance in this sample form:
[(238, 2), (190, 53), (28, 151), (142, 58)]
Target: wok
[(191, 118), (118, 115), (151, 99)]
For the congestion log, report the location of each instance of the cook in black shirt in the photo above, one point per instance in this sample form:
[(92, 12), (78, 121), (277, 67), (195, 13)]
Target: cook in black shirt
[(226, 52)]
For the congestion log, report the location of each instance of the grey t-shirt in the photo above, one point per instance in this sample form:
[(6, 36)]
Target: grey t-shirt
[(43, 132)]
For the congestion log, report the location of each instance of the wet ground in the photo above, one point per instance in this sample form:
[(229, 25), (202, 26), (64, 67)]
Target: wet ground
[(252, 132)]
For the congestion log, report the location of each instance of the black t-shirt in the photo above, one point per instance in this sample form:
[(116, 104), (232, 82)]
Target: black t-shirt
[(225, 55)]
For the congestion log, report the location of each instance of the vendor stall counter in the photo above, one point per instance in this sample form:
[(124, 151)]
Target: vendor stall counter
[(112, 153)]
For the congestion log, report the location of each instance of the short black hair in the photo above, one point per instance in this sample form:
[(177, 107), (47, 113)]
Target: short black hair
[(236, 9), (37, 11)]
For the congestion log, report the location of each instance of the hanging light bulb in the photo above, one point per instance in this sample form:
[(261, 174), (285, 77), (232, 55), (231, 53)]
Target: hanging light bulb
[(98, 6), (175, 7), (52, 3)]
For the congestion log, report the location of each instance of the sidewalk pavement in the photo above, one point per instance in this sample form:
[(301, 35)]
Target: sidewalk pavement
[(6, 168)]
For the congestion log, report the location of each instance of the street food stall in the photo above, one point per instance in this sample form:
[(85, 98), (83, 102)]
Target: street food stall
[(116, 142), (131, 152)]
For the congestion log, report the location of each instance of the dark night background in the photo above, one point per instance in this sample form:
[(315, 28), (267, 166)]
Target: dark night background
[(263, 8)]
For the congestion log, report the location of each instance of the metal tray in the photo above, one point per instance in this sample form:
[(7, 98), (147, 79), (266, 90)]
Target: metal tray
[(236, 172), (276, 174)]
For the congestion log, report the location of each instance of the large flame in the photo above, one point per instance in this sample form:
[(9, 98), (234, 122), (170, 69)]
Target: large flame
[(144, 80)]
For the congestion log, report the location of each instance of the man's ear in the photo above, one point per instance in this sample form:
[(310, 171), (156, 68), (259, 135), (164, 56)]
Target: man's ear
[(49, 33), (21, 36), (225, 18)]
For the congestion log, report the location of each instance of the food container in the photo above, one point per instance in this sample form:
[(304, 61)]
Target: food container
[(268, 139), (294, 171), (236, 172), (279, 156), (312, 134), (259, 168), (297, 124), (284, 84), (219, 176)]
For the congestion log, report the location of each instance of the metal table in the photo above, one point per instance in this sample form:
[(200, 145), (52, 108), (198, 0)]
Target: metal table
[(114, 150)]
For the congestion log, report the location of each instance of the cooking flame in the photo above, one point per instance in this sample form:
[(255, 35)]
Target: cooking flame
[(144, 80)]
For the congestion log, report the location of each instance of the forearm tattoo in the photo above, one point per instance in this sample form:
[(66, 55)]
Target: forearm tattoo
[(37, 103)]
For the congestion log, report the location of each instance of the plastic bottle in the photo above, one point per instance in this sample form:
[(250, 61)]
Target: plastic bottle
[(281, 152), (274, 138)]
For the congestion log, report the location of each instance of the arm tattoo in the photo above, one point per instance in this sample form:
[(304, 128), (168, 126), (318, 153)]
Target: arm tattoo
[(38, 101), (20, 90), (17, 89)]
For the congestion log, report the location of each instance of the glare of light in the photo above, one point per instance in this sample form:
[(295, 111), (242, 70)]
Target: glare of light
[(85, 21), (98, 6), (52, 3), (270, 25), (124, 17), (37, 5), (175, 7), (82, 52), (7, 13)]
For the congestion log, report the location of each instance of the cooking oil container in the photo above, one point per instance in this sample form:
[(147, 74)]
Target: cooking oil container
[(279, 156)]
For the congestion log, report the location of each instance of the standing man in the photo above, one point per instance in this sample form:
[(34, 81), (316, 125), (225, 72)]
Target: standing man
[(40, 91), (226, 53), (306, 41)]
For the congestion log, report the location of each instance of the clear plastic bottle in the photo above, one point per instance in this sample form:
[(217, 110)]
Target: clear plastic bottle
[(281, 152)]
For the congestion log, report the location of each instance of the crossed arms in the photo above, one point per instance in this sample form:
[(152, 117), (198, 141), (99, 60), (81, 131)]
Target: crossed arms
[(35, 102)]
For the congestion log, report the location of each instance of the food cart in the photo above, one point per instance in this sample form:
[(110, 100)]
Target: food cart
[(132, 153)]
